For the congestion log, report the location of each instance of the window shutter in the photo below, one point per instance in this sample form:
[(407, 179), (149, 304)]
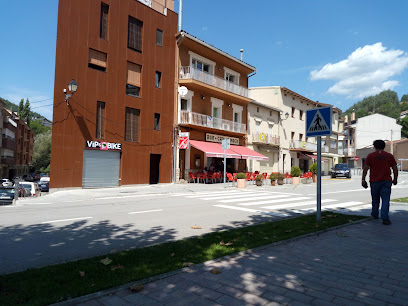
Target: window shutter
[(135, 34), (133, 77), (100, 120), (104, 20), (132, 124), (97, 58)]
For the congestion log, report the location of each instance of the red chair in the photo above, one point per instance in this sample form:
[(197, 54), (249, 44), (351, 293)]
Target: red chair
[(202, 176), (231, 179), (192, 177), (287, 177), (218, 176)]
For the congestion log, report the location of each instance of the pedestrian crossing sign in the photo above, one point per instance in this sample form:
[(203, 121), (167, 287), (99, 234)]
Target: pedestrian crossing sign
[(318, 122)]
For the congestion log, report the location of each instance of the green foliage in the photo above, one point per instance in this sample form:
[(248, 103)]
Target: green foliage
[(404, 123), (15, 108), (38, 128), (42, 152), (295, 171), (241, 175), (281, 176), (313, 168), (259, 178), (273, 176), (385, 103), (404, 98), (404, 106)]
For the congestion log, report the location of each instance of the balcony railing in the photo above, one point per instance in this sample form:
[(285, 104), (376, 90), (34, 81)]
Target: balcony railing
[(265, 138), (187, 117), (196, 74), (7, 160), (349, 151), (8, 143), (309, 146)]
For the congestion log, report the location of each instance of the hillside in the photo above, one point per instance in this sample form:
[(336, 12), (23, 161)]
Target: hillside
[(14, 107)]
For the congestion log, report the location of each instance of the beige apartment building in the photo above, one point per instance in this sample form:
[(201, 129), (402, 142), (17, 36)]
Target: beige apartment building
[(212, 105), (264, 136), (295, 149)]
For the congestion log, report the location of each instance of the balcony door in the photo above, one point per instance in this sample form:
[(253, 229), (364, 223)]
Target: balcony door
[(216, 112)]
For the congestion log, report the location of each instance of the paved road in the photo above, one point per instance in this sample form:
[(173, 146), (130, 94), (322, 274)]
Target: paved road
[(74, 224)]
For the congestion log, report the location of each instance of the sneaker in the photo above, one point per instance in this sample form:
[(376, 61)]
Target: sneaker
[(386, 222), (375, 217)]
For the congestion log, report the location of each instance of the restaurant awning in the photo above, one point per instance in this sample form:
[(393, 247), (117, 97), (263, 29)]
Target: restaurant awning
[(214, 149)]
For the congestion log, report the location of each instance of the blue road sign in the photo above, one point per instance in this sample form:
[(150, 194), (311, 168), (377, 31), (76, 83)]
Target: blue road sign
[(318, 121)]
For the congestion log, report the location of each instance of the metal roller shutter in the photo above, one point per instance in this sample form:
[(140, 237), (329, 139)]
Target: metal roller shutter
[(101, 168)]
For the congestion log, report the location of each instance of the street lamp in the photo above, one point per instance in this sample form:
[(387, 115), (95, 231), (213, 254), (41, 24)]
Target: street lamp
[(286, 115), (72, 87)]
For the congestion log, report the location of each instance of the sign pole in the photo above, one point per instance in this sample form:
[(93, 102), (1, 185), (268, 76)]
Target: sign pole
[(225, 166), (319, 179)]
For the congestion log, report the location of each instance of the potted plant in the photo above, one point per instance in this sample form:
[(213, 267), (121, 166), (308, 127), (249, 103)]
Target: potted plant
[(241, 180), (280, 177), (313, 169), (273, 177), (258, 180), (295, 173)]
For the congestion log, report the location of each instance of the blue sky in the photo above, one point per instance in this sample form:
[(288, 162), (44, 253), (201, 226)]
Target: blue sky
[(334, 52)]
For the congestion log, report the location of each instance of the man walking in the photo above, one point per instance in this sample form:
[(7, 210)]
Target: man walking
[(380, 164)]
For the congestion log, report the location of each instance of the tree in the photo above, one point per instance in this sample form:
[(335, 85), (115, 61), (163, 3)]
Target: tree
[(20, 107), (42, 152), (404, 123), (27, 112), (404, 98), (37, 127)]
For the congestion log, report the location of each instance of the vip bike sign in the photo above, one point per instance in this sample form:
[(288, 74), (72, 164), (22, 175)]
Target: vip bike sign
[(318, 122)]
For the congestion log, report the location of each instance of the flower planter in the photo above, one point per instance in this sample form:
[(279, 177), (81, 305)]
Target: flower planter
[(295, 180), (273, 182), (241, 183), (258, 183), (280, 182)]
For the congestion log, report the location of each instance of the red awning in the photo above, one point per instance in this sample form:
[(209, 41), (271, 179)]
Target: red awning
[(214, 149)]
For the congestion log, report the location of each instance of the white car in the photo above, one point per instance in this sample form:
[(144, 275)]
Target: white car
[(6, 183), (31, 189)]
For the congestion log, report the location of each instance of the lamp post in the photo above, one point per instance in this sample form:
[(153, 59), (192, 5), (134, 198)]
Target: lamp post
[(72, 87)]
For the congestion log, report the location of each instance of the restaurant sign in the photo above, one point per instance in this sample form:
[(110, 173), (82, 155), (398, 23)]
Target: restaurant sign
[(219, 138), (103, 145)]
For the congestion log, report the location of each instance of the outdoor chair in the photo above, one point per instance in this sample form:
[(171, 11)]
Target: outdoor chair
[(231, 179), (202, 176), (192, 177)]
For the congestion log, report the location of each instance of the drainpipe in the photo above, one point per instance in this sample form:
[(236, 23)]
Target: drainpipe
[(180, 17)]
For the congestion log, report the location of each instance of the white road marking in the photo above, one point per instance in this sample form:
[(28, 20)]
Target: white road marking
[(365, 206), (297, 204), (340, 205), (213, 195), (72, 201), (252, 210), (131, 196), (235, 196), (143, 212), (274, 201), (64, 220), (206, 193), (255, 198)]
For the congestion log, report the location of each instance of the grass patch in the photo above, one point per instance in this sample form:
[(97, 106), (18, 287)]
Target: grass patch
[(401, 200), (59, 282)]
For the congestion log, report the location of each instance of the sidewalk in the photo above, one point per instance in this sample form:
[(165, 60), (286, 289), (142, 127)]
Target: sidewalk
[(359, 264)]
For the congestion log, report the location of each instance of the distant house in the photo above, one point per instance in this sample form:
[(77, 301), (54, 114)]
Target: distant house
[(403, 114)]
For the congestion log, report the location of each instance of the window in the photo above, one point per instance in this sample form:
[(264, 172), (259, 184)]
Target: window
[(104, 21), (230, 77), (257, 109), (135, 28), (300, 137), (257, 125), (159, 37), (301, 115), (293, 112), (156, 121), (270, 113), (236, 117), (97, 60), (100, 120), (201, 66), (158, 79), (132, 124), (184, 104), (133, 79), (293, 136)]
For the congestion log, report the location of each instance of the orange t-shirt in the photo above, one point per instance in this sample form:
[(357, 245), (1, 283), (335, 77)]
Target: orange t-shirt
[(380, 163)]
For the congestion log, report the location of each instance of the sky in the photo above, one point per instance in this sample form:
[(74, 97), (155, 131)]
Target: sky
[(335, 52)]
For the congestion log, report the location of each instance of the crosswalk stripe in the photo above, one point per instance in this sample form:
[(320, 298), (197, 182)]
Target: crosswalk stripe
[(242, 197), (297, 204), (255, 198), (365, 206), (274, 201), (211, 196), (346, 204), (252, 210), (203, 193)]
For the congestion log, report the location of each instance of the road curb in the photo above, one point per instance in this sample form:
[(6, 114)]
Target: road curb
[(111, 291)]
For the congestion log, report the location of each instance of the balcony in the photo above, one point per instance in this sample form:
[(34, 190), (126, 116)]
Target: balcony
[(190, 118), (265, 139), (8, 160), (350, 151), (8, 143), (191, 73), (307, 146)]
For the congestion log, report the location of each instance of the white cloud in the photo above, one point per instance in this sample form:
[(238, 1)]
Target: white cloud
[(366, 71)]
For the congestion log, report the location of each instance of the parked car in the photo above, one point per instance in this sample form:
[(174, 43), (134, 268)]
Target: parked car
[(27, 178), (44, 183), (6, 183), (36, 176), (340, 170), (6, 195), (31, 189)]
